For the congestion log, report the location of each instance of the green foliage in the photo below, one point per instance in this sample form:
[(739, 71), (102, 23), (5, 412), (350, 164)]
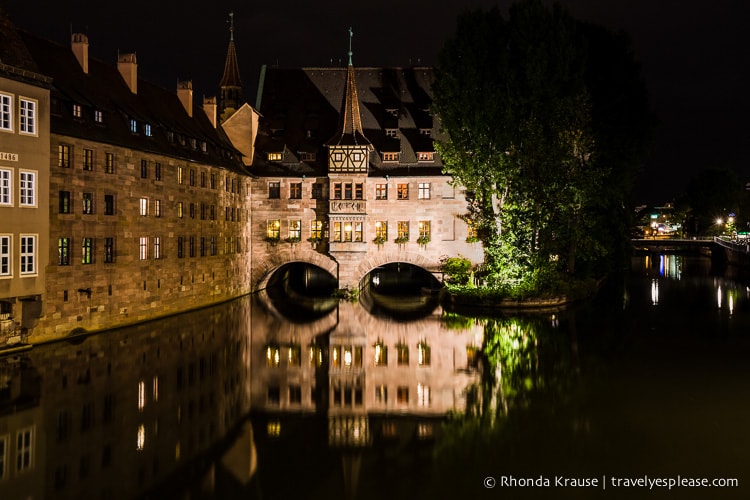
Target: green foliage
[(423, 240), (457, 269), (350, 294), (379, 240), (292, 239), (273, 240), (402, 239)]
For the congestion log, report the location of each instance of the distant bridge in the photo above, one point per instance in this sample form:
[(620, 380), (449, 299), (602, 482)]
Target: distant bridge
[(732, 251)]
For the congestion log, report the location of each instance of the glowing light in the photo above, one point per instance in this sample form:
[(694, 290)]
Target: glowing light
[(141, 439), (654, 292), (719, 221), (347, 357), (274, 428), (718, 296), (141, 395)]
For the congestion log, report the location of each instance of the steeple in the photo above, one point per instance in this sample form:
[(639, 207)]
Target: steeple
[(231, 85), (351, 132)]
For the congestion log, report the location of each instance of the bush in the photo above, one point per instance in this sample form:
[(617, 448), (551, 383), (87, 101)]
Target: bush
[(456, 269)]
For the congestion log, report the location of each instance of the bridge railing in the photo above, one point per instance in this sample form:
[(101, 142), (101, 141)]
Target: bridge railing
[(735, 245)]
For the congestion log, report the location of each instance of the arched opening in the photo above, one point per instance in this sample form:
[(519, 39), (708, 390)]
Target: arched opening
[(302, 292), (400, 290)]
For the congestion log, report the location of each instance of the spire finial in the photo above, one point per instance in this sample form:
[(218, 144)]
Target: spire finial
[(351, 35), (231, 25)]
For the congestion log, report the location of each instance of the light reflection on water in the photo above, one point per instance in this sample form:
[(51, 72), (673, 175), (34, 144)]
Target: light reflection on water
[(239, 402)]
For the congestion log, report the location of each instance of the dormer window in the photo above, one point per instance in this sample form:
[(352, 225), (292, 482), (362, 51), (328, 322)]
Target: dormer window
[(305, 156), (425, 131), (274, 156), (392, 111), (147, 129), (77, 111), (170, 136), (391, 132), (181, 139), (193, 143), (133, 126), (390, 156), (98, 116), (426, 156), (203, 146)]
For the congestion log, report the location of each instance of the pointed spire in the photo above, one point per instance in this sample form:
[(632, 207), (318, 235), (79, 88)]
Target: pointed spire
[(231, 85), (351, 129)]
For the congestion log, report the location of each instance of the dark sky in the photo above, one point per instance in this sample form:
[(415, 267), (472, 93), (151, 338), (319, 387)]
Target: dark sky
[(695, 55)]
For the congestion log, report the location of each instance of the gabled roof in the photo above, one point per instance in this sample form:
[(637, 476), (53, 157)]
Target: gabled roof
[(351, 133), (231, 77), (302, 109), (103, 89)]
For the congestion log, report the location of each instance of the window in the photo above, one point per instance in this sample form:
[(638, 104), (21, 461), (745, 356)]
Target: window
[(423, 192), (403, 192), (304, 156), (192, 177), (402, 395), (426, 156), (157, 208), (381, 191), (213, 181), (157, 171), (179, 210), (391, 156), (381, 231), (273, 355), (212, 244), (63, 252), (147, 129), (109, 250), (203, 179), (87, 250), (358, 231), (28, 254), (4, 445), (403, 229), (133, 126), (180, 180), (5, 257), (6, 112), (425, 131), (64, 202), (274, 190), (157, 247), (98, 116), (28, 188), (87, 204), (381, 354), (144, 169), (381, 394), (317, 191), (337, 191), (180, 247), (24, 449), (316, 229), (191, 246), (295, 190), (203, 246), (109, 163), (295, 229), (6, 189), (63, 155), (143, 248), (88, 159), (109, 204), (423, 395), (274, 156), (359, 191), (391, 132), (77, 111), (273, 229), (424, 230), (28, 117), (402, 352), (423, 354), (192, 210), (143, 204), (347, 191)]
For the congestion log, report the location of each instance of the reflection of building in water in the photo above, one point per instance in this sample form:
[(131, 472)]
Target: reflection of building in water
[(117, 414), (357, 369)]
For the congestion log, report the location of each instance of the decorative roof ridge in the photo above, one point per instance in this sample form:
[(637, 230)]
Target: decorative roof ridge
[(231, 76), (351, 121)]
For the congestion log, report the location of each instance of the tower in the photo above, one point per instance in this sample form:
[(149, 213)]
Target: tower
[(231, 85)]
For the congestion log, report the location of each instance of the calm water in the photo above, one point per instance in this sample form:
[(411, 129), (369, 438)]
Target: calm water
[(264, 398)]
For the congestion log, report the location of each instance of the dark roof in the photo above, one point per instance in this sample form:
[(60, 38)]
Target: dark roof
[(103, 89), (231, 77), (301, 110)]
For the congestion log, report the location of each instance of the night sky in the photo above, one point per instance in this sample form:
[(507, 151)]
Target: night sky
[(695, 55)]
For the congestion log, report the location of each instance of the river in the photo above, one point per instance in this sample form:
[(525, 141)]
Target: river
[(641, 392)]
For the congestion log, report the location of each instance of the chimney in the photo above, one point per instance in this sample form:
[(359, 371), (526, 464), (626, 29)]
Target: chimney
[(80, 45), (185, 94), (209, 107), (128, 68)]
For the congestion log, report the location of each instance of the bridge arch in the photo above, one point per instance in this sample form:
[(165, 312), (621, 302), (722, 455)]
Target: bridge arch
[(378, 259), (263, 270)]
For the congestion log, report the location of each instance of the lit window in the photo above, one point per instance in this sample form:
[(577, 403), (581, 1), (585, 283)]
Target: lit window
[(77, 111), (274, 156), (147, 129), (295, 355), (381, 231), (403, 230), (402, 352), (24, 449), (28, 188), (87, 250), (295, 229), (133, 126), (87, 203), (381, 354), (391, 132), (423, 353), (98, 116), (424, 191), (423, 395), (316, 229), (273, 229), (5, 257), (424, 230), (381, 394), (143, 205), (273, 428), (391, 156), (157, 208), (28, 254), (109, 163), (425, 131), (141, 439), (6, 183), (403, 192), (63, 155), (88, 159), (6, 112), (143, 248), (179, 175), (426, 156), (28, 117), (273, 356), (157, 247), (381, 191), (63, 252), (179, 210), (155, 388)]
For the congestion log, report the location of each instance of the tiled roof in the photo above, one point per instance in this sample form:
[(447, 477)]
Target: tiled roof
[(301, 111), (231, 77), (103, 89)]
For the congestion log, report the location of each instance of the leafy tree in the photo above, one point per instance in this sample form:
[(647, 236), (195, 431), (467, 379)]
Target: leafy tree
[(526, 137), (713, 194)]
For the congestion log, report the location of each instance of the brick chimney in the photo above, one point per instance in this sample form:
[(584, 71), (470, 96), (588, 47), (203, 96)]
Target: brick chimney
[(80, 45), (210, 108), (128, 68), (185, 94)]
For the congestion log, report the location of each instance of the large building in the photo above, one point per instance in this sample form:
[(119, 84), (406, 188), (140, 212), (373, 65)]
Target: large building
[(147, 214), (24, 190)]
